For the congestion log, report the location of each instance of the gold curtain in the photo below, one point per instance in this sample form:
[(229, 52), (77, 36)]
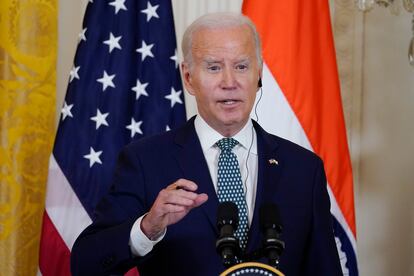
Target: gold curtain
[(28, 51)]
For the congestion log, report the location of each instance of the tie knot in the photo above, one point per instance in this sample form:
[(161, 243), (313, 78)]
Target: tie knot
[(226, 143)]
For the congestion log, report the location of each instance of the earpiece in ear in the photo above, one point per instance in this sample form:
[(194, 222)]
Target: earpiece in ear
[(259, 83)]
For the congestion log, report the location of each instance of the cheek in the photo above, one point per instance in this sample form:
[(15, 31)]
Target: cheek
[(250, 87), (204, 93), (207, 88), (209, 81), (248, 81)]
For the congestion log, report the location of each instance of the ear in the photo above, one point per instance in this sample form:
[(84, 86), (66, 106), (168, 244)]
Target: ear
[(185, 69)]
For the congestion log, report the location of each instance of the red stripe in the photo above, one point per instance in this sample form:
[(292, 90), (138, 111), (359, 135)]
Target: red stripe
[(298, 49), (132, 272), (54, 256)]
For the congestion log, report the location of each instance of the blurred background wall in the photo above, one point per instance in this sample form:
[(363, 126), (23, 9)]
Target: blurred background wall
[(377, 86)]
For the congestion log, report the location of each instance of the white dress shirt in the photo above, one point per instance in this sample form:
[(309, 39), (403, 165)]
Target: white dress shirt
[(246, 152)]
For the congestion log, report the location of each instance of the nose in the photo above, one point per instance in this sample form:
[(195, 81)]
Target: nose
[(228, 79)]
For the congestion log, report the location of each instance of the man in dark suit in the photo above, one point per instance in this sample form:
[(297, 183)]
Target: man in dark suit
[(160, 214)]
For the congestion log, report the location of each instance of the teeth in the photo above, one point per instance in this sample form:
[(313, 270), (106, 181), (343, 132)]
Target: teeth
[(229, 102)]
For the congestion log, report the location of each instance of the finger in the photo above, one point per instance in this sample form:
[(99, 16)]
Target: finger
[(181, 201), (201, 198), (161, 209), (176, 197), (185, 184), (172, 187), (172, 208), (186, 194)]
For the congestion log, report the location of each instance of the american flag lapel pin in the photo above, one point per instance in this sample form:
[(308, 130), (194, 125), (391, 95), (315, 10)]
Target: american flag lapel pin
[(273, 161)]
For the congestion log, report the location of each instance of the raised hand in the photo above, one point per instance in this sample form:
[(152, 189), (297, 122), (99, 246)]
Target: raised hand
[(171, 205)]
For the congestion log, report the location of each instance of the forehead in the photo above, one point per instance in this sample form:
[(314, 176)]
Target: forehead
[(223, 42)]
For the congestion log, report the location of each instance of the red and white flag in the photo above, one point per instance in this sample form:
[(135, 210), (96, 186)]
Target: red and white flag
[(301, 99)]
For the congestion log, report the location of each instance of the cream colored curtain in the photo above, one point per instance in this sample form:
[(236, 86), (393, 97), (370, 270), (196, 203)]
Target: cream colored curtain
[(28, 43)]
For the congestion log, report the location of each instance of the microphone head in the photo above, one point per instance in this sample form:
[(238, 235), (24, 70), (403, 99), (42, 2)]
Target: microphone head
[(227, 213), (270, 217)]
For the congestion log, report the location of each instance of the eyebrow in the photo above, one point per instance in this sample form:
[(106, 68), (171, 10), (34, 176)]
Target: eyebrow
[(209, 61), (244, 60)]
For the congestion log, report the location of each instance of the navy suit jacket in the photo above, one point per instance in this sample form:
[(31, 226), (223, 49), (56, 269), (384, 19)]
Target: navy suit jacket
[(296, 184)]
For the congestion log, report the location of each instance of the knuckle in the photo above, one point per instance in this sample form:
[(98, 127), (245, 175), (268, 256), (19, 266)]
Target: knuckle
[(163, 194)]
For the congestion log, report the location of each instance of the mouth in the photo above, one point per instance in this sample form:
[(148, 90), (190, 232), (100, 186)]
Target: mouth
[(229, 102)]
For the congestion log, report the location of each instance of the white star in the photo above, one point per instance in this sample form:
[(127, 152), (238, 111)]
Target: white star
[(118, 5), (139, 89), (113, 42), (167, 128), (74, 73), (174, 97), (100, 118), (175, 58), (106, 81), (82, 35), (151, 11), (66, 111), (145, 50), (135, 127), (93, 157)]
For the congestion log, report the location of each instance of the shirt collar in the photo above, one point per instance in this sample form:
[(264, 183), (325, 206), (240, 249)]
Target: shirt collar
[(209, 136)]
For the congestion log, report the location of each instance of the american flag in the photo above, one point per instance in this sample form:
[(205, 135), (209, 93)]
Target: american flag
[(125, 84)]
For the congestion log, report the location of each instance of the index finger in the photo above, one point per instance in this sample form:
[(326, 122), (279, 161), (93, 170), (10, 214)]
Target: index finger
[(185, 184)]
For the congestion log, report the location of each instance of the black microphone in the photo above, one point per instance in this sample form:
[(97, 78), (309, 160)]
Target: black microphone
[(271, 226), (227, 244)]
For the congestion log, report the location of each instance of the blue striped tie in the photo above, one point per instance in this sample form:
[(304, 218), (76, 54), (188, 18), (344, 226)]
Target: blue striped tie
[(230, 185)]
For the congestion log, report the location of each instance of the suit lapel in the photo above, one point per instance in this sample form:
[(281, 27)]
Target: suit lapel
[(191, 159), (269, 168)]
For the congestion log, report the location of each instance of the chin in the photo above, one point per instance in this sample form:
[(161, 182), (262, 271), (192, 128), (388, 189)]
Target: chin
[(233, 122)]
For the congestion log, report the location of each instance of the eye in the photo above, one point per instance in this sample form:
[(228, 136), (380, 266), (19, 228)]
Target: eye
[(242, 67), (213, 68)]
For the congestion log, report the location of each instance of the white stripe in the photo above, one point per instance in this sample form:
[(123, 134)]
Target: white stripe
[(63, 206), (277, 117), (275, 114), (337, 213)]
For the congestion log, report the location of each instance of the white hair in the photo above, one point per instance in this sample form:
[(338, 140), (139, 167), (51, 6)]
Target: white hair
[(215, 21)]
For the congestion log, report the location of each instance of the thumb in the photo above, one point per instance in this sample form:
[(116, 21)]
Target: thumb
[(201, 198)]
